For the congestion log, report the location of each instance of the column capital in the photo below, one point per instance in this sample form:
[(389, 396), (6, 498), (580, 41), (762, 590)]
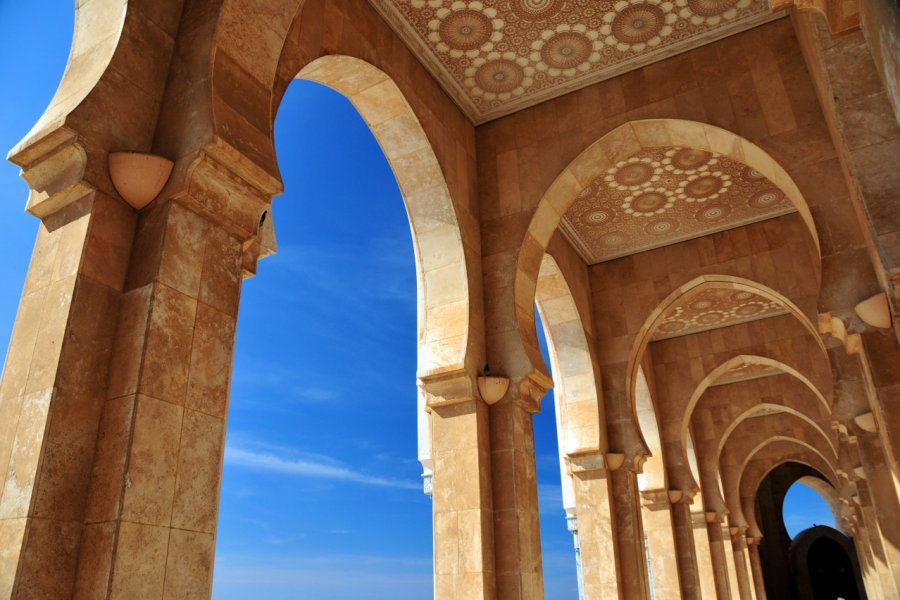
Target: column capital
[(592, 462), (447, 388), (657, 499), (529, 392), (54, 168)]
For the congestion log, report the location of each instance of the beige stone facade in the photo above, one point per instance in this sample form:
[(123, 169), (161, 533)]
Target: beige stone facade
[(695, 194)]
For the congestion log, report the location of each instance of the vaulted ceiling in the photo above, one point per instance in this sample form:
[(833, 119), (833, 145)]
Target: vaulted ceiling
[(497, 57), (665, 195)]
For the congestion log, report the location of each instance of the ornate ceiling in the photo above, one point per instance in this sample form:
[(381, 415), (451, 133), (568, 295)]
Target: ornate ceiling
[(712, 308), (498, 56), (665, 195)]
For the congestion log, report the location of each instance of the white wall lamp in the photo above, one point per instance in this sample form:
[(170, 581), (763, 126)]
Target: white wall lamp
[(875, 311), (614, 461), (139, 177), (492, 387), (675, 496), (865, 421)]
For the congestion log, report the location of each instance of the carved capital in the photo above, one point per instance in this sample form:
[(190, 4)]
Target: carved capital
[(657, 499), (447, 389), (54, 168), (593, 462), (531, 390)]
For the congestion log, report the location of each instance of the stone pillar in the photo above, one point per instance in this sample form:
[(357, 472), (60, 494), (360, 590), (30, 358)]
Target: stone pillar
[(881, 366), (869, 566), (759, 582), (461, 490), (720, 554), (739, 548), (517, 535), (629, 533), (870, 535), (151, 516), (882, 489), (572, 527), (53, 391), (688, 573), (596, 528), (733, 583), (658, 529), (703, 555)]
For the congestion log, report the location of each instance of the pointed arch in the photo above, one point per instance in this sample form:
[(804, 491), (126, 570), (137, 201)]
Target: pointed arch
[(441, 274), (575, 380)]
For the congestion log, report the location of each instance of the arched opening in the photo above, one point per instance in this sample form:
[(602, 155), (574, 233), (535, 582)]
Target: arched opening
[(359, 175), (825, 565), (576, 419), (805, 506)]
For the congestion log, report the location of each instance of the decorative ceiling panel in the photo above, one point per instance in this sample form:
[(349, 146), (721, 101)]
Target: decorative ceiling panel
[(666, 195), (712, 308), (496, 57)]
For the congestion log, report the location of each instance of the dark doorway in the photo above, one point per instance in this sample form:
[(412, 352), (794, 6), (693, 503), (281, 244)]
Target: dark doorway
[(824, 565)]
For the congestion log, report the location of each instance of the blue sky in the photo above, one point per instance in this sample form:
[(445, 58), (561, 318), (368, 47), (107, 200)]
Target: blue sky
[(321, 493)]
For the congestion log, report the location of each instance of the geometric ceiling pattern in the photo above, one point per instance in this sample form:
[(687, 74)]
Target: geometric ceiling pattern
[(665, 195), (713, 308), (496, 57)]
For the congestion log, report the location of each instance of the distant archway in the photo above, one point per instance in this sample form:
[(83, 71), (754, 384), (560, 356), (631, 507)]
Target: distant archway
[(825, 565)]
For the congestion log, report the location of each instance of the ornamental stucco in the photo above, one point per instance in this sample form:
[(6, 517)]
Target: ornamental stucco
[(498, 57), (661, 196)]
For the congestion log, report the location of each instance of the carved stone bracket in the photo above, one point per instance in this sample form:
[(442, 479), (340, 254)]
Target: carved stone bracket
[(657, 499), (447, 389), (587, 462), (842, 16)]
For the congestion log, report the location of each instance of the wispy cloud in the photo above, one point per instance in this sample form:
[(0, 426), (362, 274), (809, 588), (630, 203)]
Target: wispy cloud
[(337, 577), (323, 468)]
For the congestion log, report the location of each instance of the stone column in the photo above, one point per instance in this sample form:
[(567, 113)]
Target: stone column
[(688, 573), (870, 535), (756, 570), (881, 366), (882, 489), (658, 529), (517, 535), (703, 555), (152, 511), (54, 387), (461, 490), (634, 582), (596, 527), (722, 570), (733, 583), (739, 548)]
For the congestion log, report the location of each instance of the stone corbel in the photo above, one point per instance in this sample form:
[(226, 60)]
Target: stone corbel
[(54, 168), (531, 390), (842, 16), (832, 325), (655, 499), (715, 516), (447, 389), (593, 463)]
